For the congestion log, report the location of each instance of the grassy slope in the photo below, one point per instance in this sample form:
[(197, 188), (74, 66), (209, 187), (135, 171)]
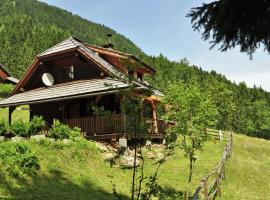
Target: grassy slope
[(248, 172), (77, 171)]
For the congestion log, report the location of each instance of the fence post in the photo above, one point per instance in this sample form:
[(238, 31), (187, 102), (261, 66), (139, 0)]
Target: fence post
[(125, 123), (223, 170), (205, 189), (231, 142), (218, 183)]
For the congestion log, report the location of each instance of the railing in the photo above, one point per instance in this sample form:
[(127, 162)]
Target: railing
[(116, 123), (162, 126), (209, 191), (99, 125)]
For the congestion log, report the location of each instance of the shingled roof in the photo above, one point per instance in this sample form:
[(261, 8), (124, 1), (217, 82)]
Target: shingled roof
[(64, 91), (67, 44)]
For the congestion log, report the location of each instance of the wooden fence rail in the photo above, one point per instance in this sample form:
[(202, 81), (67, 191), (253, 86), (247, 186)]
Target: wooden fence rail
[(209, 191)]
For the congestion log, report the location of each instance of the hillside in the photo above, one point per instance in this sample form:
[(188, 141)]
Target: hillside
[(70, 172), (248, 171), (28, 27), (42, 26)]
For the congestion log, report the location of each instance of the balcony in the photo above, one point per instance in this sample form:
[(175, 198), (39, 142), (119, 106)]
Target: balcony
[(117, 125)]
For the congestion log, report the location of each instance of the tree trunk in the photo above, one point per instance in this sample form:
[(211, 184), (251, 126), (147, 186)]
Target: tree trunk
[(190, 175), (190, 168)]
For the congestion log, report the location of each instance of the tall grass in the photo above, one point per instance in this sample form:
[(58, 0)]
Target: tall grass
[(248, 171)]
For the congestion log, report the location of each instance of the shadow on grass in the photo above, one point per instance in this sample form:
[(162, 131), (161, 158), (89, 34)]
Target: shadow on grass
[(56, 187), (170, 193)]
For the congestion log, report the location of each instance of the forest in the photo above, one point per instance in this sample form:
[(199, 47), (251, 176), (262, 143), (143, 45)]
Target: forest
[(29, 27)]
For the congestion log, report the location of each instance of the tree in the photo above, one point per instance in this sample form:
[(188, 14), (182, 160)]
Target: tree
[(234, 22), (193, 112)]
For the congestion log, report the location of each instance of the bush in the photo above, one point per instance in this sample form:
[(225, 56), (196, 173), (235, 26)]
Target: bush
[(75, 132), (3, 127), (17, 158), (36, 125), (20, 128), (62, 131)]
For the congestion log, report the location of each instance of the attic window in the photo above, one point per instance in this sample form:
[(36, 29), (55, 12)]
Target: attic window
[(71, 72)]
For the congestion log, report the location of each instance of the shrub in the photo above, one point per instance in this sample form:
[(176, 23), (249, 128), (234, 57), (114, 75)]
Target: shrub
[(62, 131), (36, 125), (20, 128), (75, 132), (3, 127), (59, 131), (17, 158)]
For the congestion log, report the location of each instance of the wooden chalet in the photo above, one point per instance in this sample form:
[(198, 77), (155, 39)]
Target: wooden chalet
[(5, 77), (84, 75)]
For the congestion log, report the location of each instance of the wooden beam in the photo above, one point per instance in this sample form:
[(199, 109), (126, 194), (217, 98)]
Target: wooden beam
[(98, 98), (10, 111)]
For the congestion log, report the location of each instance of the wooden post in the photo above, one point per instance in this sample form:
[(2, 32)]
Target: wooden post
[(10, 111), (30, 113), (224, 171), (155, 115), (205, 189), (218, 183), (125, 122), (231, 142)]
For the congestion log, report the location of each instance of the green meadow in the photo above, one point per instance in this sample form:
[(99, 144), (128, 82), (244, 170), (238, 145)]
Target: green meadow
[(78, 171)]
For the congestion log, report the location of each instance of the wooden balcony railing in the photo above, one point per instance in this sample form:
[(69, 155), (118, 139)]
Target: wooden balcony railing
[(162, 126), (99, 125), (116, 123)]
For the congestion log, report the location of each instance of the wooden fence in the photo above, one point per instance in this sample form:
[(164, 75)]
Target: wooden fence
[(209, 187)]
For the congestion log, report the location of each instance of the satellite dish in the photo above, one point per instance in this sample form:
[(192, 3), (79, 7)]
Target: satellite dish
[(47, 79)]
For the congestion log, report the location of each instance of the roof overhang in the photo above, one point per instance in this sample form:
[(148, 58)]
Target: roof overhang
[(67, 91)]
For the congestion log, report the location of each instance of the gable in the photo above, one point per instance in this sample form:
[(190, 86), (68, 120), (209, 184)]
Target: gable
[(71, 47), (59, 68), (68, 47)]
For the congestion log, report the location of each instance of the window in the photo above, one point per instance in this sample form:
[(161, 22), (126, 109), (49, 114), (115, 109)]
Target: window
[(147, 110), (70, 73)]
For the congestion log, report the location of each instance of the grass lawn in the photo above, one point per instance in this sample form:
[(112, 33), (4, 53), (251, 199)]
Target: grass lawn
[(77, 171), (248, 171)]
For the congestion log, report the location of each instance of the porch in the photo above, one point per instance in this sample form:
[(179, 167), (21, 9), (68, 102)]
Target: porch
[(118, 125)]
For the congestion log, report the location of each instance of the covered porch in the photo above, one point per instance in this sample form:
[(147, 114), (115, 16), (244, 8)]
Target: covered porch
[(117, 125)]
